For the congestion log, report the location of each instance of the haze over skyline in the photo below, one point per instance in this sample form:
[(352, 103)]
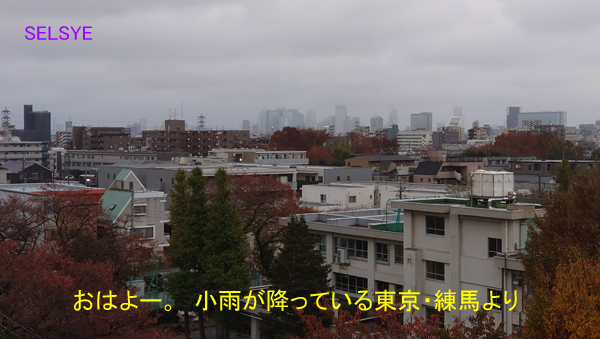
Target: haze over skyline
[(229, 60)]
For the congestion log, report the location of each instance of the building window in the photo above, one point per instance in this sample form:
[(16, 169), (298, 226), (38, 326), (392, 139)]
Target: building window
[(497, 299), (323, 198), (399, 254), (537, 167), (548, 167), (431, 312), (382, 252), (108, 176), (517, 166), (494, 247), (320, 242), (139, 210), (434, 270), (320, 178), (530, 167), (352, 198), (114, 175), (434, 225), (347, 178), (350, 283), (145, 231), (338, 178), (382, 286), (131, 185), (166, 229), (355, 248), (34, 176)]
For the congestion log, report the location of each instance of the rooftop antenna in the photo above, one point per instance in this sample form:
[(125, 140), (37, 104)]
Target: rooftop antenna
[(169, 114)]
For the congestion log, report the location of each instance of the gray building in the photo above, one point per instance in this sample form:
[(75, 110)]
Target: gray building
[(36, 125), (421, 121), (512, 117), (376, 123)]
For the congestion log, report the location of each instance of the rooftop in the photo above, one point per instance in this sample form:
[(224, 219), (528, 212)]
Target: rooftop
[(366, 219)]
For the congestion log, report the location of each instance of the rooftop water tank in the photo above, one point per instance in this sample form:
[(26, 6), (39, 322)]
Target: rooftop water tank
[(491, 184)]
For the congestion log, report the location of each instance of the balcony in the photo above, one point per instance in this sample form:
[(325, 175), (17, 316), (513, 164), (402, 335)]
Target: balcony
[(282, 161)]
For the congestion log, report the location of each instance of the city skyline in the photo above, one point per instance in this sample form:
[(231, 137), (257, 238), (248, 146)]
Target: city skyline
[(247, 57)]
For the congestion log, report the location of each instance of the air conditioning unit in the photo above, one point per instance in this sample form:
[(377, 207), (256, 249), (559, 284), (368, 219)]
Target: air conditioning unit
[(342, 257)]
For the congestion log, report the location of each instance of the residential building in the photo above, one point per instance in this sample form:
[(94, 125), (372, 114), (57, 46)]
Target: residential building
[(145, 212), (325, 197), (477, 133), (100, 138), (441, 169), (258, 156), (15, 172), (421, 121), (13, 149), (64, 139), (195, 142), (408, 140), (379, 162)]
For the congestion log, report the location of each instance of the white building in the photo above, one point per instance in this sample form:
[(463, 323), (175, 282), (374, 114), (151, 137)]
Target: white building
[(434, 245), (143, 211), (408, 140)]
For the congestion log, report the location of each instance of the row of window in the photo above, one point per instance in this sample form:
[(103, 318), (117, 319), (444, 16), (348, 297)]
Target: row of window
[(435, 226)]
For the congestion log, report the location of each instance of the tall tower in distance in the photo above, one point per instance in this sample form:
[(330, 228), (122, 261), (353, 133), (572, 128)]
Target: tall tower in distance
[(201, 123), (340, 117), (512, 117)]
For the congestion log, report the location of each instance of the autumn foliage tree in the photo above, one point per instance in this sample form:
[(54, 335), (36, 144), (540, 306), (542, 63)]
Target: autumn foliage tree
[(561, 263), (391, 325), (55, 245), (262, 200), (543, 146), (291, 138)]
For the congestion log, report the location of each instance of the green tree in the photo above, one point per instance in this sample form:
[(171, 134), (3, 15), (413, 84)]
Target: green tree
[(226, 248), (187, 247), (300, 271), (564, 175)]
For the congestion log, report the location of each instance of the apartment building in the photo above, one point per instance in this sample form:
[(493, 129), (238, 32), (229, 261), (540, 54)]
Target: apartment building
[(100, 138), (259, 156), (431, 245), (195, 142), (13, 149), (408, 140), (143, 211)]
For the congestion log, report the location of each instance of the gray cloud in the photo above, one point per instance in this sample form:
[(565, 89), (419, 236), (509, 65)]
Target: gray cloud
[(230, 59)]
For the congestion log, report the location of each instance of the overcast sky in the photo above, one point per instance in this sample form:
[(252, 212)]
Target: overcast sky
[(230, 59)]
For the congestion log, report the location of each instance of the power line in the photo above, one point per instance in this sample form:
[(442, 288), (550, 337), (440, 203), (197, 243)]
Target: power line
[(21, 326), (6, 328)]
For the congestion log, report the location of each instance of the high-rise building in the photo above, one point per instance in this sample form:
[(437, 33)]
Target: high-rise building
[(144, 124), (311, 119), (246, 125), (340, 117), (376, 123), (296, 118), (69, 126), (512, 117), (36, 125), (393, 120), (421, 121)]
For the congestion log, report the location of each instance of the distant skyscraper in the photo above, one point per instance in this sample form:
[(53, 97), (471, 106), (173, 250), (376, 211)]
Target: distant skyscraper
[(543, 118), (36, 125), (457, 110), (512, 117), (421, 121), (376, 123), (393, 120), (144, 124), (246, 125), (296, 118), (69, 126), (340, 117), (311, 119)]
